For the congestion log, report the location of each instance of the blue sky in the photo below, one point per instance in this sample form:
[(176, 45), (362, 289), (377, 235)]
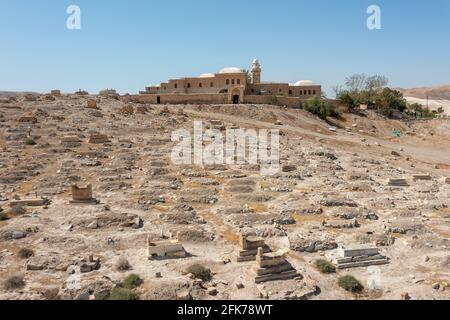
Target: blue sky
[(128, 44)]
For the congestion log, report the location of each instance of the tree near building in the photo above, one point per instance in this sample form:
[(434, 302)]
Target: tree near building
[(390, 101)]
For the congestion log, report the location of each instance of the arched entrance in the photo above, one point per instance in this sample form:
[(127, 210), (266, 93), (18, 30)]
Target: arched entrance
[(236, 96)]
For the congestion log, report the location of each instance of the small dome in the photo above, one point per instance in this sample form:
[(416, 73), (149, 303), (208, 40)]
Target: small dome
[(304, 83), (207, 75), (230, 70)]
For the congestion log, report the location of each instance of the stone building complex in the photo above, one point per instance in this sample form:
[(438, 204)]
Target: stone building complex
[(231, 85)]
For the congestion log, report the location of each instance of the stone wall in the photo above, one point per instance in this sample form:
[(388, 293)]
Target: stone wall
[(291, 102), (184, 98)]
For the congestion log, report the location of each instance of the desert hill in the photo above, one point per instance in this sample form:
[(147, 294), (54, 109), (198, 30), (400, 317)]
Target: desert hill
[(433, 93), (435, 97), (332, 190)]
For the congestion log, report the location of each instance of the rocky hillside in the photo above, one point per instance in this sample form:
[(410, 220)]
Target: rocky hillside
[(433, 93), (332, 190)]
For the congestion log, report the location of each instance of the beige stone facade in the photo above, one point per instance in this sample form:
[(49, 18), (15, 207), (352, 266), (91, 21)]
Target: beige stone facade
[(230, 85)]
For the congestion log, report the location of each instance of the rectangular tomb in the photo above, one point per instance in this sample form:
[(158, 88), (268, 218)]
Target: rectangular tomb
[(249, 248), (98, 139), (30, 202), (82, 195), (358, 256), (273, 266), (398, 182), (422, 177), (167, 249), (71, 141)]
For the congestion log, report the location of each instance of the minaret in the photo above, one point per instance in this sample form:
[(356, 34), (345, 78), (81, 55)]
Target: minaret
[(256, 72)]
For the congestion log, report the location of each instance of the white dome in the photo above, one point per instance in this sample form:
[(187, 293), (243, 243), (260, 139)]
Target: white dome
[(207, 75), (230, 70), (304, 83)]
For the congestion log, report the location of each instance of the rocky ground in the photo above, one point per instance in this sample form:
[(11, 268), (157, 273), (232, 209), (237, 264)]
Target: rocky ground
[(332, 191)]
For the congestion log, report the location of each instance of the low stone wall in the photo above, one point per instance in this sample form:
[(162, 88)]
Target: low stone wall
[(183, 98), (218, 98), (291, 102)]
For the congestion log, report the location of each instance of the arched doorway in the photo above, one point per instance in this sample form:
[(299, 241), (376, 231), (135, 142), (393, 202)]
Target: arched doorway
[(236, 96)]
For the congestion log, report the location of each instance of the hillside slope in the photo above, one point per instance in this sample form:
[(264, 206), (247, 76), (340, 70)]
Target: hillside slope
[(434, 93)]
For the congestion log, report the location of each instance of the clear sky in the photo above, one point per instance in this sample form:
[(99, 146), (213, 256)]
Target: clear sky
[(128, 44)]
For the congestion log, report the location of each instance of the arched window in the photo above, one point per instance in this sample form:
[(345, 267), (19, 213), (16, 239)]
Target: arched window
[(189, 85), (232, 81), (212, 84), (200, 85), (290, 92), (238, 81), (309, 92), (228, 81), (176, 86), (314, 91)]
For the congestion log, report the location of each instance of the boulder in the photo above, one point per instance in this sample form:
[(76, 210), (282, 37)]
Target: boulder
[(184, 295)]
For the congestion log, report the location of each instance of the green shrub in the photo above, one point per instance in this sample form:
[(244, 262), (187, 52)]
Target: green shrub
[(320, 107), (390, 101), (25, 253), (118, 294), (102, 295), (325, 266), (349, 100), (350, 283), (200, 272), (14, 282), (274, 100), (132, 281)]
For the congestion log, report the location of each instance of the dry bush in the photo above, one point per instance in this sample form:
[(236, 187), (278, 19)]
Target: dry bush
[(14, 282), (122, 264)]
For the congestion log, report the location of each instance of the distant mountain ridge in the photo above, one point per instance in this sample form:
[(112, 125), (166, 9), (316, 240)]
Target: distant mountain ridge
[(4, 94), (434, 97), (434, 93)]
